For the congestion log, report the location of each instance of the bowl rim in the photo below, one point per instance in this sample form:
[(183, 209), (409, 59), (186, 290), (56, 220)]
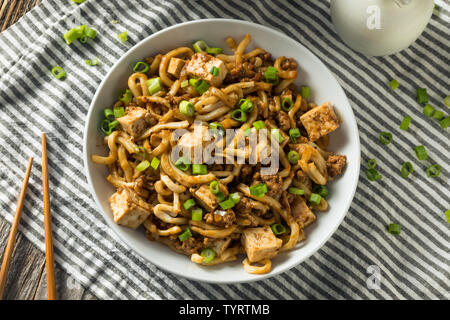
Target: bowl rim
[(194, 277)]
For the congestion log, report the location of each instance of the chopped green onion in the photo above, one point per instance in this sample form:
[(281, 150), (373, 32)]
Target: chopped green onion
[(192, 82), (239, 115), (447, 215), (246, 105), (259, 124), (123, 36), (277, 135), (184, 83), (447, 101), (143, 166), (141, 67), (294, 133), (227, 204), (258, 190), (200, 46), (214, 71), (183, 163), (271, 75), (287, 104), (78, 1), (296, 191), (221, 196), (91, 63), (445, 123), (199, 169), (119, 112), (74, 34), (434, 171), (208, 255), (83, 39), (278, 229), (201, 86), (104, 126), (322, 190), (373, 175), (405, 122), (438, 115), (189, 203), (125, 95), (214, 50), (186, 108), (197, 214), (385, 137), (217, 128), (235, 197), (58, 72), (185, 235), (394, 228), (155, 163), (421, 152), (293, 157), (113, 21), (315, 198), (154, 85), (428, 110), (305, 92), (90, 33), (421, 95), (372, 163), (214, 187), (394, 84), (109, 114), (407, 169)]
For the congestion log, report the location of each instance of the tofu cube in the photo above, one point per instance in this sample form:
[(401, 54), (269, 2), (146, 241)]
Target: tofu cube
[(126, 212), (204, 197), (133, 122), (302, 213), (260, 243), (175, 66), (200, 66), (320, 121)]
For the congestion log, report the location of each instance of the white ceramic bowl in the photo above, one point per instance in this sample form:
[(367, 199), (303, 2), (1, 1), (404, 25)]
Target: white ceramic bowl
[(312, 72)]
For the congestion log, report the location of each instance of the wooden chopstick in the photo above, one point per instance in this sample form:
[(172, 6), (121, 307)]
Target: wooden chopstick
[(51, 290), (12, 234)]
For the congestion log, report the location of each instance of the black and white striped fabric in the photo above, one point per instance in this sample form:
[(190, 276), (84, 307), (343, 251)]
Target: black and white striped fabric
[(413, 265)]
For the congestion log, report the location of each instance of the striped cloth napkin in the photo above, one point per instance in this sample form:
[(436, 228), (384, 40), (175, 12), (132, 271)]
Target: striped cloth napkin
[(414, 264)]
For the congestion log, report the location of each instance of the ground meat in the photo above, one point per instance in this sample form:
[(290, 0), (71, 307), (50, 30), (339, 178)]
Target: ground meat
[(146, 182), (217, 167), (189, 246), (283, 121), (335, 164), (225, 220), (266, 57), (289, 64), (273, 183), (175, 101), (246, 206), (246, 174)]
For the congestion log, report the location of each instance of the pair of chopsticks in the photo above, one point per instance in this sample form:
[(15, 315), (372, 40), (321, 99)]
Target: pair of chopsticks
[(51, 290)]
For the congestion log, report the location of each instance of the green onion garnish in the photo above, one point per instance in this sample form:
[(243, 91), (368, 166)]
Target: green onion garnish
[(322, 190), (372, 163), (221, 196), (184, 83), (277, 135), (447, 215), (109, 114), (125, 95), (123, 36), (373, 175), (214, 71), (155, 163), (421, 95), (315, 198), (201, 86), (235, 197), (58, 72), (143, 166), (296, 191), (245, 105), (428, 110), (83, 39), (447, 101), (183, 163), (91, 63), (192, 82), (407, 169), (217, 128), (434, 171), (200, 46), (208, 255), (294, 133), (305, 92), (186, 108), (90, 33), (141, 67), (438, 115), (421, 152), (197, 214), (227, 204), (154, 85), (189, 203), (119, 112), (293, 157), (287, 104), (214, 187), (199, 169), (394, 228), (185, 235), (259, 124), (74, 34), (214, 50), (78, 1), (258, 190), (385, 137), (271, 75), (405, 122), (239, 115), (393, 84), (278, 229), (445, 123)]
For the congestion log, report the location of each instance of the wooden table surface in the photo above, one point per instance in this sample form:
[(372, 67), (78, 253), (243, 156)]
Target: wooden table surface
[(26, 277)]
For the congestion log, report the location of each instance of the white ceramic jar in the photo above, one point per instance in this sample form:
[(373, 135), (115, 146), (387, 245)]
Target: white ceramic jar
[(380, 27)]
